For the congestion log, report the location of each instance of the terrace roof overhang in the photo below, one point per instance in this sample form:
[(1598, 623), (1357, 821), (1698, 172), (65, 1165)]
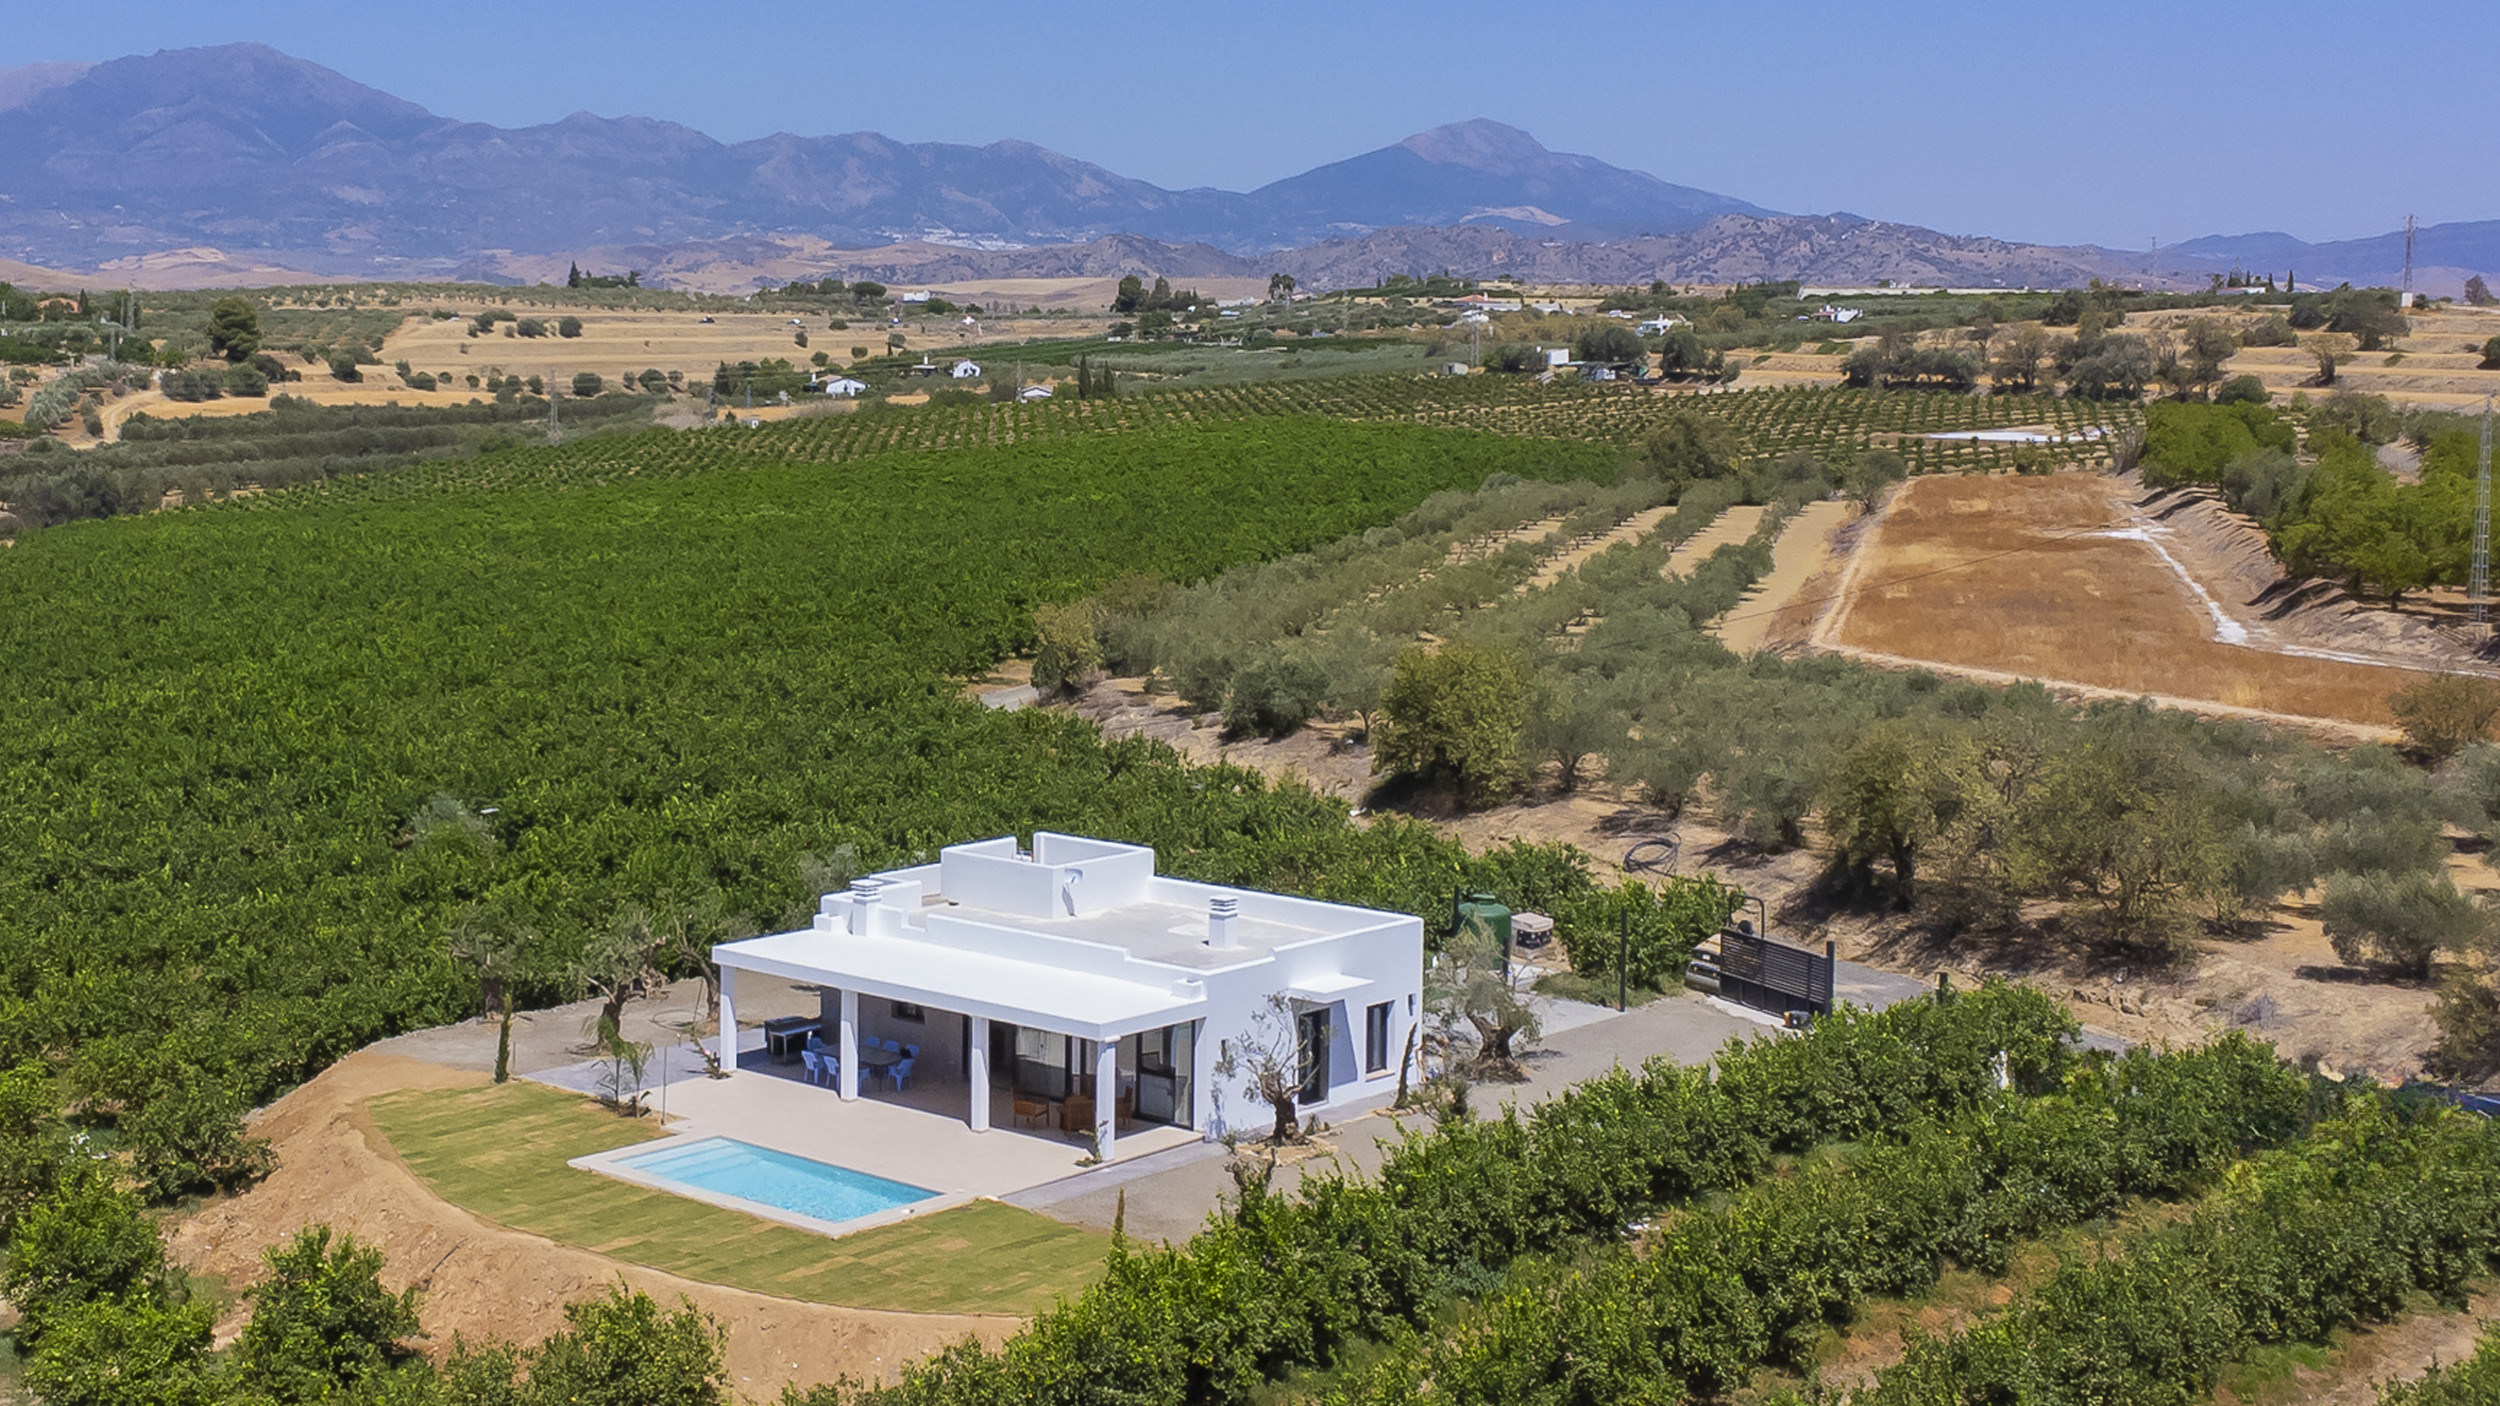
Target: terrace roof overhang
[(1088, 1005)]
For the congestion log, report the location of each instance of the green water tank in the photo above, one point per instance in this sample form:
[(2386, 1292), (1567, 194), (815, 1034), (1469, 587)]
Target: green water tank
[(1485, 909)]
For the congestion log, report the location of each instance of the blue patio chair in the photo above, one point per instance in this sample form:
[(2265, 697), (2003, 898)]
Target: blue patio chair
[(891, 1047), (901, 1072), (911, 1051), (815, 1066)]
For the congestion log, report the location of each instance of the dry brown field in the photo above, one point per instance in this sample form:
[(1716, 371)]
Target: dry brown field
[(2019, 576)]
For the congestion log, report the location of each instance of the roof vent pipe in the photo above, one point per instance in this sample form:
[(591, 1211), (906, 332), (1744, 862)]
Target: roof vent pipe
[(1221, 914), (863, 897)]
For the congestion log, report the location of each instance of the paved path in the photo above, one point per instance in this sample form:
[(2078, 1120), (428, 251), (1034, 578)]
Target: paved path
[(1169, 1195)]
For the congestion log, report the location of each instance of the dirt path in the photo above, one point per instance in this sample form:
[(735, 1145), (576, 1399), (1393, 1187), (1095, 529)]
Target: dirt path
[(1734, 525), (1803, 553), (484, 1281), (1562, 563)]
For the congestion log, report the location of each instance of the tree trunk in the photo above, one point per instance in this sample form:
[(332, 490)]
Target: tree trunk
[(612, 1011), (1287, 1127)]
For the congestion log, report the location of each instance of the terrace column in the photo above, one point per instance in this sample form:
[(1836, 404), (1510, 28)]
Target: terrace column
[(1106, 1096), (725, 1043), (977, 1072), (847, 1086)]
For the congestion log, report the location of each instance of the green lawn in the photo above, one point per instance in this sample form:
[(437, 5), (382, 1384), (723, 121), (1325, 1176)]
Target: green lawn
[(500, 1152)]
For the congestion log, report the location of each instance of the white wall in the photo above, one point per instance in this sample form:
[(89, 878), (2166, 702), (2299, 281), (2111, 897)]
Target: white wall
[(1388, 959)]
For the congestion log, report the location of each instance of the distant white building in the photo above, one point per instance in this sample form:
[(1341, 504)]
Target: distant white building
[(1556, 356), (1830, 313), (844, 386), (920, 297), (1034, 393), (965, 370), (1659, 326)]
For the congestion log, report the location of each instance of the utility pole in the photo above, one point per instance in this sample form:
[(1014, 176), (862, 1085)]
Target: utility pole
[(2407, 300), (553, 395), (2478, 586)]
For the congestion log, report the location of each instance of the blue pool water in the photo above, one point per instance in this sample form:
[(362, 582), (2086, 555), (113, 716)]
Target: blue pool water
[(727, 1167)]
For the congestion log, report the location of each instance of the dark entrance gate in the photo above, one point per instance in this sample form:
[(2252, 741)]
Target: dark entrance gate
[(1773, 976)]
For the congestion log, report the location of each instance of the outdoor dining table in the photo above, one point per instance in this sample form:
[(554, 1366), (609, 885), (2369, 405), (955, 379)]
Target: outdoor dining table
[(879, 1059), (786, 1036)]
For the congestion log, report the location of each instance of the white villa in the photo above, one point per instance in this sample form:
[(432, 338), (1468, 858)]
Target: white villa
[(1073, 986)]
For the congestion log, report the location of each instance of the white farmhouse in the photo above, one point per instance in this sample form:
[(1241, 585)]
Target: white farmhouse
[(844, 387), (966, 370), (1034, 393), (1081, 988)]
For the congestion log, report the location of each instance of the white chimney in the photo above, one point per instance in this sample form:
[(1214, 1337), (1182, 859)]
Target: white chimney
[(863, 897), (1221, 913)]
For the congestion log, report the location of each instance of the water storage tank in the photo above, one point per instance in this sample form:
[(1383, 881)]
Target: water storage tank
[(1484, 909)]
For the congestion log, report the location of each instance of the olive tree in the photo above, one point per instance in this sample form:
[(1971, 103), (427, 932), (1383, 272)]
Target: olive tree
[(1468, 986), (2400, 922), (1271, 1056)]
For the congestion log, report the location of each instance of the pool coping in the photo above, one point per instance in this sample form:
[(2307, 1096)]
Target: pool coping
[(613, 1165)]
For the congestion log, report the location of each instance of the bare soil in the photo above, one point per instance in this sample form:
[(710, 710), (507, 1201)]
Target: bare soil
[(1782, 600), (2059, 578), (484, 1281)]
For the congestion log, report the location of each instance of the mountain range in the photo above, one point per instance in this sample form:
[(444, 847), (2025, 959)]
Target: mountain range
[(256, 165)]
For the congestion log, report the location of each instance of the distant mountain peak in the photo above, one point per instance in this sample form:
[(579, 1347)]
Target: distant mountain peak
[(22, 85), (1480, 144)]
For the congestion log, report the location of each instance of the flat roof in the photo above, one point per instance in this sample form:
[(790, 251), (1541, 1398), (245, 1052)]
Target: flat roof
[(1086, 1004), (1172, 934)]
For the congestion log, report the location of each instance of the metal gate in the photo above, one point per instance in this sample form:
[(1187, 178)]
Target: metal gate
[(1773, 976)]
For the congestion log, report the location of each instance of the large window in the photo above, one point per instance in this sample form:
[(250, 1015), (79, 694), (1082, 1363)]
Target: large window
[(1376, 1038), (905, 1010)]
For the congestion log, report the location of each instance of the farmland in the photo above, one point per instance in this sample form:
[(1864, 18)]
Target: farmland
[(2059, 579), (680, 667)]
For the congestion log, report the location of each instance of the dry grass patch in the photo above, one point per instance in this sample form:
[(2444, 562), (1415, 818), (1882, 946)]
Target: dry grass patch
[(2015, 575)]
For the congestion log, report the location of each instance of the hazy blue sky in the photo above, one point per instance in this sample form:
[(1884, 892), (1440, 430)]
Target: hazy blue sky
[(2112, 122)]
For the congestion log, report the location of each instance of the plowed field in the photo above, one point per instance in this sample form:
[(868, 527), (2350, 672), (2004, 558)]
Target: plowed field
[(2051, 578)]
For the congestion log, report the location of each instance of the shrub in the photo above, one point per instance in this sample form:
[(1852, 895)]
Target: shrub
[(2445, 713), (322, 1325), (188, 1137), (87, 1241), (530, 327), (569, 327), (1070, 644), (193, 385), (2468, 1015), (343, 368), (2243, 390), (247, 379), (2398, 921), (115, 1352), (1455, 714), (1275, 694)]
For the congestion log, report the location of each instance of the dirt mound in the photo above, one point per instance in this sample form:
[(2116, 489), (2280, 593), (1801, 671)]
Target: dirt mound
[(482, 1280)]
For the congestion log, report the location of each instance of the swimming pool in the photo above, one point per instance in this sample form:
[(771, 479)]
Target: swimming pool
[(817, 1190)]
